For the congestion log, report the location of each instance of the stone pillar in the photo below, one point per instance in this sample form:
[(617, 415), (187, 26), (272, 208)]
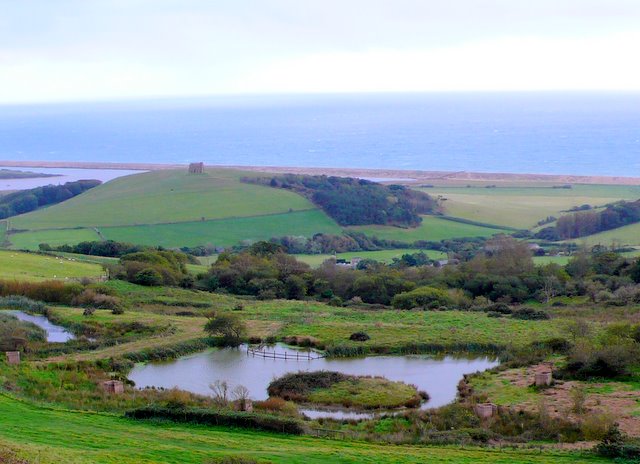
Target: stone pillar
[(13, 357)]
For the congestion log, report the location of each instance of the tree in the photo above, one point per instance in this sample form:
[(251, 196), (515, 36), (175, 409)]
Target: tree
[(228, 326)]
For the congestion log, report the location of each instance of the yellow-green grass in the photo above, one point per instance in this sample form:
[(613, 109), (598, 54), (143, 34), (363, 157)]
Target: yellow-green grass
[(52, 436), (432, 228), (392, 330), (164, 196), (365, 392), (627, 235), (523, 207), (31, 240), (542, 260), (26, 266), (385, 256), (225, 232)]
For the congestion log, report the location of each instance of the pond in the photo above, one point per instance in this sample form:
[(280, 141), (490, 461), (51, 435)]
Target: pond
[(55, 333), (438, 376)]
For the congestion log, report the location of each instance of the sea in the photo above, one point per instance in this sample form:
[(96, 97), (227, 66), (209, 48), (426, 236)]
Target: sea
[(551, 133)]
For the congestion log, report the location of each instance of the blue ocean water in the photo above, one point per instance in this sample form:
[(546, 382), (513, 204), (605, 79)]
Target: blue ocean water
[(556, 133)]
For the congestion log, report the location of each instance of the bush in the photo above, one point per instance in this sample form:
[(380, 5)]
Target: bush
[(230, 327), (23, 303), (297, 385), (422, 297), (90, 298), (616, 445), (530, 314), (609, 361), (49, 291), (359, 337)]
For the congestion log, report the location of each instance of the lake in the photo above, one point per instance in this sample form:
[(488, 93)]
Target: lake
[(55, 333), (438, 376)]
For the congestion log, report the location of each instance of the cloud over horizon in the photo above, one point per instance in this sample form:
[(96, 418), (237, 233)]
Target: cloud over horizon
[(106, 49)]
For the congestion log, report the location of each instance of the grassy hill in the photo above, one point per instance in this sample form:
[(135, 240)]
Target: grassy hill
[(161, 197), (25, 266), (173, 208)]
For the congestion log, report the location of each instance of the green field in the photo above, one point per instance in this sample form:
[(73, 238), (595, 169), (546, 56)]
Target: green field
[(164, 196), (542, 260), (385, 256), (225, 232), (51, 436), (31, 240), (522, 207), (432, 228), (627, 235), (26, 266)]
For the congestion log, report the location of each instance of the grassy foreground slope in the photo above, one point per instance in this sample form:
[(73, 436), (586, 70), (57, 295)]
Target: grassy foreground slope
[(55, 436), (164, 196), (25, 266)]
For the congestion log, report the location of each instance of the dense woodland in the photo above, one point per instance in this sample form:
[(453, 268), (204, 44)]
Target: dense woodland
[(24, 201), (353, 202)]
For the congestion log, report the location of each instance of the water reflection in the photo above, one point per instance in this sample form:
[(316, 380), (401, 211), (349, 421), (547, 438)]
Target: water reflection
[(439, 377), (55, 333)]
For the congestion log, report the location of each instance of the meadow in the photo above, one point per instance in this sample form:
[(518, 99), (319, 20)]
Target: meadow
[(50, 436), (384, 256), (225, 232), (523, 206), (432, 228), (162, 197), (25, 266)]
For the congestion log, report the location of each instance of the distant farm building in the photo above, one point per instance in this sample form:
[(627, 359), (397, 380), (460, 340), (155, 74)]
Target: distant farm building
[(196, 168)]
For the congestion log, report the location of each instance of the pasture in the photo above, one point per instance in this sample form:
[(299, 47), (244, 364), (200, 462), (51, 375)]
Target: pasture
[(25, 266), (162, 197), (51, 436), (522, 207), (432, 228), (385, 256), (225, 232)]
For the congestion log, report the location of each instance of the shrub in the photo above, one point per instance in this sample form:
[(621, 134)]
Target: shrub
[(49, 291), (422, 297), (230, 327), (616, 445), (608, 361), (297, 385), (23, 303), (90, 298), (359, 337), (530, 314), (596, 426)]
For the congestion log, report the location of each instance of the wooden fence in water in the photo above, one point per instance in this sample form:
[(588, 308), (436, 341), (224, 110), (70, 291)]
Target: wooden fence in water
[(298, 355)]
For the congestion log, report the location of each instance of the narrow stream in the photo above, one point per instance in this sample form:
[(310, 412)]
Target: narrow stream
[(55, 333)]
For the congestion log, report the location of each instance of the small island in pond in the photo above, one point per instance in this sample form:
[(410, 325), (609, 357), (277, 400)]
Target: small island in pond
[(327, 388)]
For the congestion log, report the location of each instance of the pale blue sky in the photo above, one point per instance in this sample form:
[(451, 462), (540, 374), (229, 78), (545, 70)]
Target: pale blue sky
[(58, 50)]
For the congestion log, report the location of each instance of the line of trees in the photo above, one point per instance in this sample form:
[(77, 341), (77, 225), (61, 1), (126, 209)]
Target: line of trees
[(352, 201), (28, 200)]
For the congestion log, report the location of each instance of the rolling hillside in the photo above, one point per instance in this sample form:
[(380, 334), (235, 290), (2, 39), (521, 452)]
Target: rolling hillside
[(173, 208)]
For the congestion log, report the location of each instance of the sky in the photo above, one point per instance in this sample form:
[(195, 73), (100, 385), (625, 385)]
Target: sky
[(78, 50)]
